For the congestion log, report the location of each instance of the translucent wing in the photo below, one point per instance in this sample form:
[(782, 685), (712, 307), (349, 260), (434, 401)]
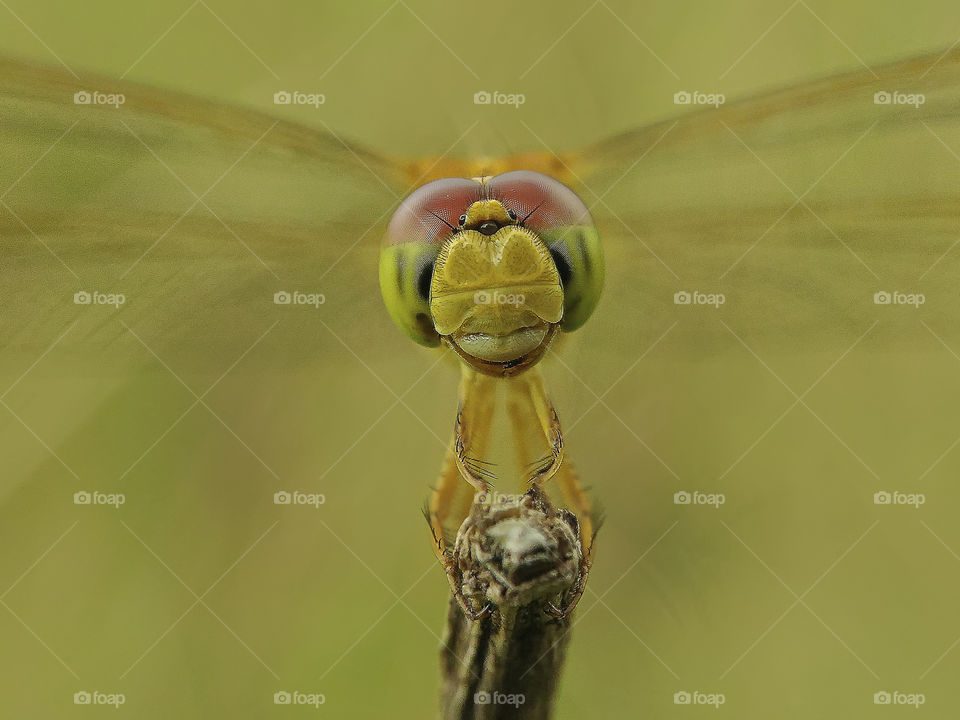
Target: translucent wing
[(797, 202), (183, 289), (798, 206), (779, 334), (121, 199)]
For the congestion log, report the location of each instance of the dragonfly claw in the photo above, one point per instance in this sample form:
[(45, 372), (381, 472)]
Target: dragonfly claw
[(553, 610), (471, 614), (484, 612), (576, 593)]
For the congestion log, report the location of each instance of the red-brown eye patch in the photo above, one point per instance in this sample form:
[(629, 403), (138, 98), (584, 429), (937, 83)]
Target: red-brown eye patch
[(431, 213), (539, 201)]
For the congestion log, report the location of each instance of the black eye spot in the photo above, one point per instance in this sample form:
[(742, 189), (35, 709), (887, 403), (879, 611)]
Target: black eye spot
[(462, 220), (488, 228), (423, 282), (563, 267), (511, 214), (425, 325)]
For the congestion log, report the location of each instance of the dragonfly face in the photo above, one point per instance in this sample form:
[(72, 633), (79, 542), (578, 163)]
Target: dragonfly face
[(494, 266), (496, 292)]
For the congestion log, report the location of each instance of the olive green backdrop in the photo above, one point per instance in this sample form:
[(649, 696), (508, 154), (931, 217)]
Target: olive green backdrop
[(201, 598)]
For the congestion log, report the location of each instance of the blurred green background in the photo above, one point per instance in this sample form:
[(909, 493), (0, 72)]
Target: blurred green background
[(200, 597)]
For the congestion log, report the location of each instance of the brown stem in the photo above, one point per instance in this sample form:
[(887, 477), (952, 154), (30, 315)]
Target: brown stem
[(520, 555)]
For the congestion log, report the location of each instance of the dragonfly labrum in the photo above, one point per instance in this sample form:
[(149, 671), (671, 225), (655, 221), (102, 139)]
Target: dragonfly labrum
[(493, 268)]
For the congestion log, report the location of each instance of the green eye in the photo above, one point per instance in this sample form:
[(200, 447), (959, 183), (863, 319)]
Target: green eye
[(405, 274), (578, 255), (414, 236)]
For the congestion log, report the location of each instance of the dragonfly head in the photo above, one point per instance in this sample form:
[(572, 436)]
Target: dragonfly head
[(493, 267)]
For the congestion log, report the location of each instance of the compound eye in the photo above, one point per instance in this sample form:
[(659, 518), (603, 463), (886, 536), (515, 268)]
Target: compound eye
[(414, 236), (562, 221), (462, 220)]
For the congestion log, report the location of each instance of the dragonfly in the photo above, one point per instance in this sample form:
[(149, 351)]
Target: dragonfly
[(493, 267), (812, 198)]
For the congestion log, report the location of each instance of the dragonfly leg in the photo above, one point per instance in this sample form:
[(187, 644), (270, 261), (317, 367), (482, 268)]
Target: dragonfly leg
[(576, 499), (451, 499), (445, 500), (474, 470), (546, 467), (454, 576), (442, 505), (575, 594), (472, 430)]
